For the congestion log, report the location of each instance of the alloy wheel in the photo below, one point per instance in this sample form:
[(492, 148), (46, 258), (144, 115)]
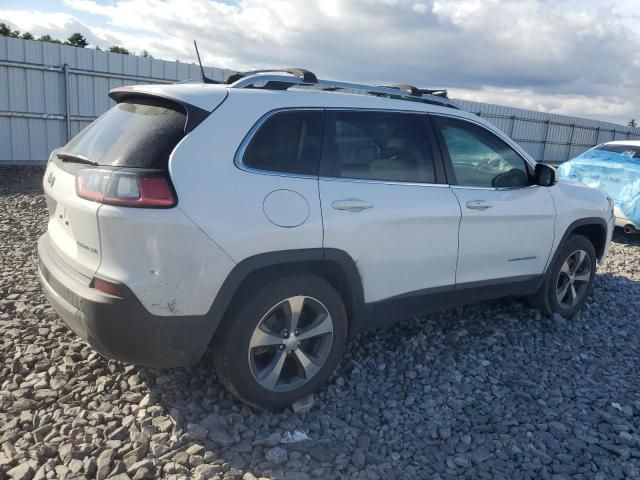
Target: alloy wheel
[(573, 279), (291, 343)]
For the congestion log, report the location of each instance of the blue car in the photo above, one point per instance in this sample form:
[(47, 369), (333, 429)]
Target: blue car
[(613, 167)]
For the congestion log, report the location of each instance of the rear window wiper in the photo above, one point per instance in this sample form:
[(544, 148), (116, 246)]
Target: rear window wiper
[(70, 157)]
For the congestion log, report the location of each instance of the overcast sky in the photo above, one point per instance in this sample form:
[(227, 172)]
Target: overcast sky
[(576, 57)]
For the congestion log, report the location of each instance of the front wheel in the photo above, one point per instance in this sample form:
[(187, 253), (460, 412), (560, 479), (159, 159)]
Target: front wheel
[(569, 280), (283, 342)]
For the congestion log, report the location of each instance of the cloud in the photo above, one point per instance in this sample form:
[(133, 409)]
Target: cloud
[(580, 55)]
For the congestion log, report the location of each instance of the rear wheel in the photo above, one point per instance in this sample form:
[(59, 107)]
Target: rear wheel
[(283, 342), (570, 279)]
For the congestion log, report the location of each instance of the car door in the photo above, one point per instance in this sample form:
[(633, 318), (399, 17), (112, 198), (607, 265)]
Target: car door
[(507, 226), (384, 201)]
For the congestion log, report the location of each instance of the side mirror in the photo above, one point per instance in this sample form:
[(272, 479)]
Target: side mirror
[(545, 175)]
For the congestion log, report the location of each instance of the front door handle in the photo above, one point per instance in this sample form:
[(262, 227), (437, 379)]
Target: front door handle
[(351, 205), (478, 205)]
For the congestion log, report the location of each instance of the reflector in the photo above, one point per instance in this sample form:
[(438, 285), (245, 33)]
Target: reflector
[(106, 287)]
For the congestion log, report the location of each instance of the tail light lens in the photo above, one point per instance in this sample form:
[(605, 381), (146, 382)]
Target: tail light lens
[(125, 188)]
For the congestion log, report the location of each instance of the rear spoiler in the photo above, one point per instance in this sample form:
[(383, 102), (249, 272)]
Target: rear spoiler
[(195, 114)]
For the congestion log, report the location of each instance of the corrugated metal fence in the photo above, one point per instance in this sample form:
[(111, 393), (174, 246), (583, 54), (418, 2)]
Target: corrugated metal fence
[(49, 92), (549, 137)]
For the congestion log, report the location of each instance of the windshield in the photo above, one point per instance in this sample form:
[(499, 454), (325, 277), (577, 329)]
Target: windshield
[(629, 150), (138, 132)]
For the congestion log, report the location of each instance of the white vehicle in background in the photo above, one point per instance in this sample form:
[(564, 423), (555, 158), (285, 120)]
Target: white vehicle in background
[(274, 215), (614, 168)]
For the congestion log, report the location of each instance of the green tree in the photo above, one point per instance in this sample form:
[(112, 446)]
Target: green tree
[(145, 54), (118, 49), (28, 36), (632, 123), (49, 39), (5, 31), (77, 40)]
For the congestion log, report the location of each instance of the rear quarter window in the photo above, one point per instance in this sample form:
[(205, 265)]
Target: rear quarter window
[(137, 132), (287, 142)]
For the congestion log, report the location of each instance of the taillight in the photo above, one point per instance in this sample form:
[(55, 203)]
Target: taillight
[(125, 188)]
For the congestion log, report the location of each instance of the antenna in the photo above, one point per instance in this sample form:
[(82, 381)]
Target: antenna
[(205, 79)]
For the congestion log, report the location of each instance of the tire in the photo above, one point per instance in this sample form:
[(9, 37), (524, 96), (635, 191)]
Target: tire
[(574, 265), (254, 341)]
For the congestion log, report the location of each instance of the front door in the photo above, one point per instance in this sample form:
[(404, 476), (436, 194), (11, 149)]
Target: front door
[(507, 226)]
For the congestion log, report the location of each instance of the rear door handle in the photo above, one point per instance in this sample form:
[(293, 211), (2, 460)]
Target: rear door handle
[(351, 205), (478, 205)]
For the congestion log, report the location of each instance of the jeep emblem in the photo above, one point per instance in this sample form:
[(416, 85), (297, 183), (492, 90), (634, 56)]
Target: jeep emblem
[(51, 179)]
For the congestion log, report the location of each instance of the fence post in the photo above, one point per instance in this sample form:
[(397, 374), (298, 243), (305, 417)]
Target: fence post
[(546, 138), (513, 125), (67, 100), (573, 129)]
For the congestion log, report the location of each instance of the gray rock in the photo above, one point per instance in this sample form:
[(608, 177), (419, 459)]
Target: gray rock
[(146, 463), (277, 455), (358, 459), (143, 473), (120, 476), (103, 463), (197, 432), (482, 454), (205, 471), (21, 472), (303, 406), (271, 440), (517, 394), (195, 449), (221, 437)]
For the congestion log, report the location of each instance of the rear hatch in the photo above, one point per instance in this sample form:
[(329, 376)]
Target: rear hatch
[(131, 142)]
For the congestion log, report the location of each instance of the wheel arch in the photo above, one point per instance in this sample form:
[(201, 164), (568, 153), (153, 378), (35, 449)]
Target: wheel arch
[(334, 265), (594, 229)]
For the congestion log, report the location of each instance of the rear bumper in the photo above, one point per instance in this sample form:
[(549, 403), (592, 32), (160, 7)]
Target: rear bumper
[(622, 220), (120, 327)]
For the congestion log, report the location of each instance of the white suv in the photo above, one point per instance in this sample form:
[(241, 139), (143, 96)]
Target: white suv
[(274, 215)]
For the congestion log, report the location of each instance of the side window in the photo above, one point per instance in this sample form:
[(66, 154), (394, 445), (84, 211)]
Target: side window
[(287, 142), (480, 158), (382, 146)]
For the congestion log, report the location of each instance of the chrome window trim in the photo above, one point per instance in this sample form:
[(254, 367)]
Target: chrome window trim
[(384, 182), (239, 155), (497, 189), (237, 158)]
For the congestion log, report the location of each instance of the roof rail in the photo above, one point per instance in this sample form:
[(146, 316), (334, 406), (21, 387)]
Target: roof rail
[(307, 80), (438, 92), (415, 95), (305, 75)]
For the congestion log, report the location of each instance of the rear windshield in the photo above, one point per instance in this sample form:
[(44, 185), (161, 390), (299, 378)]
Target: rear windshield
[(629, 150), (138, 132)]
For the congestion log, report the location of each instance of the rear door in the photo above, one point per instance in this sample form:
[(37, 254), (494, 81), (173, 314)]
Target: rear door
[(136, 133), (384, 201), (507, 226)]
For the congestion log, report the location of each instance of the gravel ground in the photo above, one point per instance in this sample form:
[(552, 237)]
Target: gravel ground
[(489, 391)]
